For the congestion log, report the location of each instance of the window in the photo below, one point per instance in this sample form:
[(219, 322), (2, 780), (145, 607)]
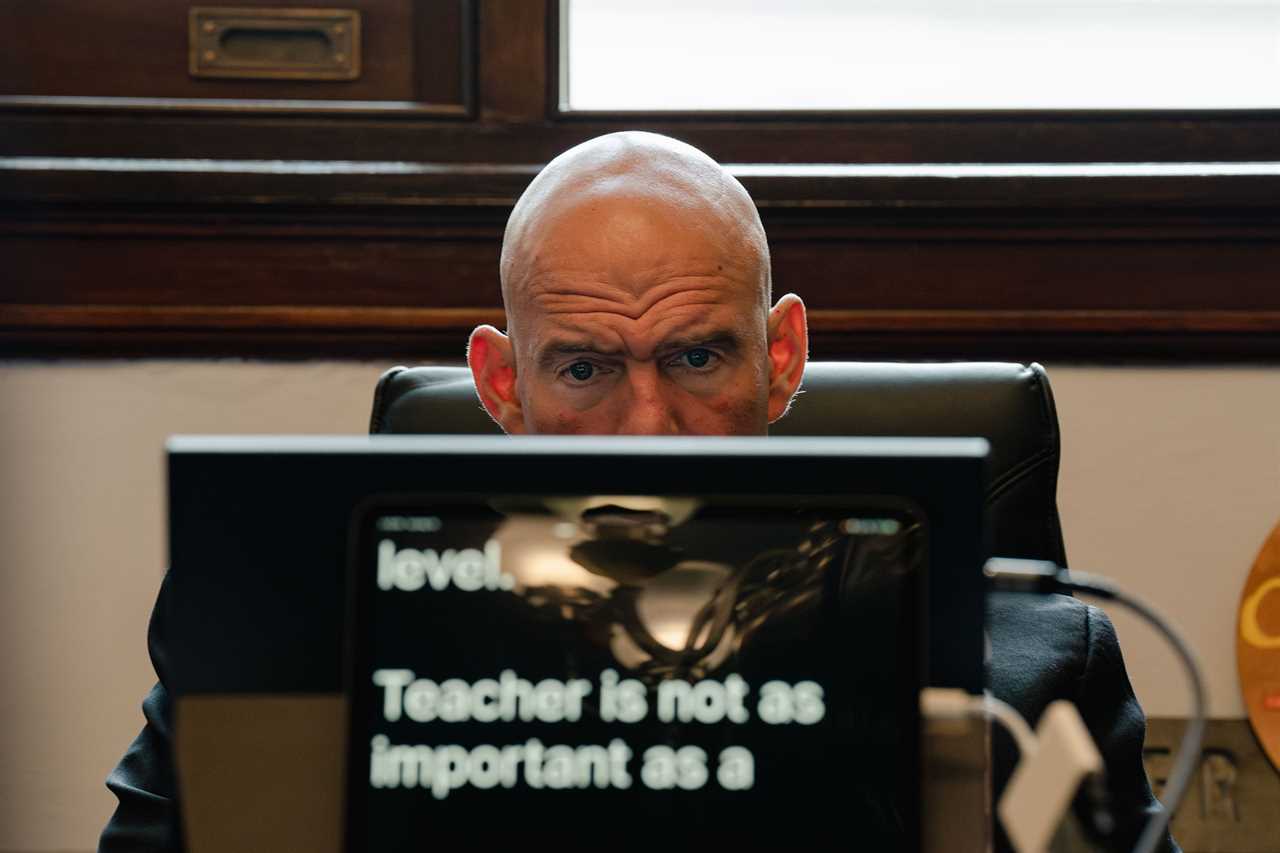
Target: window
[(778, 55)]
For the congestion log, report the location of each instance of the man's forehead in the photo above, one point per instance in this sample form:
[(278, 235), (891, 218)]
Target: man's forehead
[(632, 263), (639, 289), (635, 282), (634, 287), (560, 339)]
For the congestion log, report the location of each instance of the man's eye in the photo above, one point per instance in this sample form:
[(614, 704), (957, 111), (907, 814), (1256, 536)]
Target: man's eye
[(581, 370), (698, 357)]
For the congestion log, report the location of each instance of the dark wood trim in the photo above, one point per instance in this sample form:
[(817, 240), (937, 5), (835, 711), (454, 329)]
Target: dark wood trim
[(513, 60), (1153, 187), (340, 318), (94, 106), (1052, 321), (435, 333), (514, 131), (467, 58), (231, 318), (557, 73), (274, 331)]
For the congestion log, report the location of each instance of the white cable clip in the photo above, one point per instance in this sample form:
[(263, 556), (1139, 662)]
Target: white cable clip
[(1044, 783)]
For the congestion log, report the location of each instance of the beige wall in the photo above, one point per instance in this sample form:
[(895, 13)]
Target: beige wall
[(82, 548), (1170, 483)]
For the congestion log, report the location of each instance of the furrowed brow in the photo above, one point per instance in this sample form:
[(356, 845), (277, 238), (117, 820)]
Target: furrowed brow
[(556, 350), (727, 341)]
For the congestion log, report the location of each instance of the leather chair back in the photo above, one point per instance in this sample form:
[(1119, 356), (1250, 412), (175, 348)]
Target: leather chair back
[(1010, 405)]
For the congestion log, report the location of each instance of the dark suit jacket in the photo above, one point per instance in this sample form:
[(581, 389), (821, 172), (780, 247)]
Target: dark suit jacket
[(1042, 649), (1056, 647)]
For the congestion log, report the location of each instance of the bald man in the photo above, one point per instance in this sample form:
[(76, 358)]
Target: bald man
[(635, 276)]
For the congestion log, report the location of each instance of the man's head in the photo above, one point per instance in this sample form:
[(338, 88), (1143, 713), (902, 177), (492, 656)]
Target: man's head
[(635, 276)]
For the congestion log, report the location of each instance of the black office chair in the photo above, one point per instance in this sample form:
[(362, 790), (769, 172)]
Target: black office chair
[(1010, 405)]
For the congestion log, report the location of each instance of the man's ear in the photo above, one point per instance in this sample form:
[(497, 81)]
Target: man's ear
[(788, 353), (493, 368)]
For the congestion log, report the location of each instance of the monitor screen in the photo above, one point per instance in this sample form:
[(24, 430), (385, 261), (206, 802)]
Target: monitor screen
[(618, 669)]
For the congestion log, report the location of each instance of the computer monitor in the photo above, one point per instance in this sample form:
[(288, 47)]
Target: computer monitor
[(623, 640)]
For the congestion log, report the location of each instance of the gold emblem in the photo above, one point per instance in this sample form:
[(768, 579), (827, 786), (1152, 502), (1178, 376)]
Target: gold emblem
[(1258, 646)]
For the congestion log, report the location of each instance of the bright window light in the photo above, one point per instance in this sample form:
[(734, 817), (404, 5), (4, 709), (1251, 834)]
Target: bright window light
[(921, 54)]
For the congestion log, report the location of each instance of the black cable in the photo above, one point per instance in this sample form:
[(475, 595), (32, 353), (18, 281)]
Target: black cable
[(1044, 577)]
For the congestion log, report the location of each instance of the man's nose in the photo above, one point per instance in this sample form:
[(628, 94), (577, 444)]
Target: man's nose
[(648, 409)]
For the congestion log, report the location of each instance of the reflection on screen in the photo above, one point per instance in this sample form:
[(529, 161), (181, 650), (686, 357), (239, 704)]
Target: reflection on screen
[(633, 667)]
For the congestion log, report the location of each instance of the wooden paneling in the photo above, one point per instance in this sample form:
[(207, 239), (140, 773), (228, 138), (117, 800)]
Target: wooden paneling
[(168, 131), (402, 258), (140, 219), (1230, 800), (514, 61)]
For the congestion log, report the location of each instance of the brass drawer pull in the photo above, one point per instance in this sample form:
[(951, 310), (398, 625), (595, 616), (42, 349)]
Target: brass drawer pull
[(274, 44)]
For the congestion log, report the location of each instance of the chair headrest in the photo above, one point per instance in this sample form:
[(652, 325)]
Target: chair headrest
[(1010, 405)]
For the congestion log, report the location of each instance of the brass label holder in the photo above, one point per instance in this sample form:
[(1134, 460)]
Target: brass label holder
[(273, 44)]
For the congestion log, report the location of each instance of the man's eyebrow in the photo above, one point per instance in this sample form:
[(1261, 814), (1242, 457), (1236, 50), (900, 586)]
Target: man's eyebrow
[(725, 340), (555, 350)]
